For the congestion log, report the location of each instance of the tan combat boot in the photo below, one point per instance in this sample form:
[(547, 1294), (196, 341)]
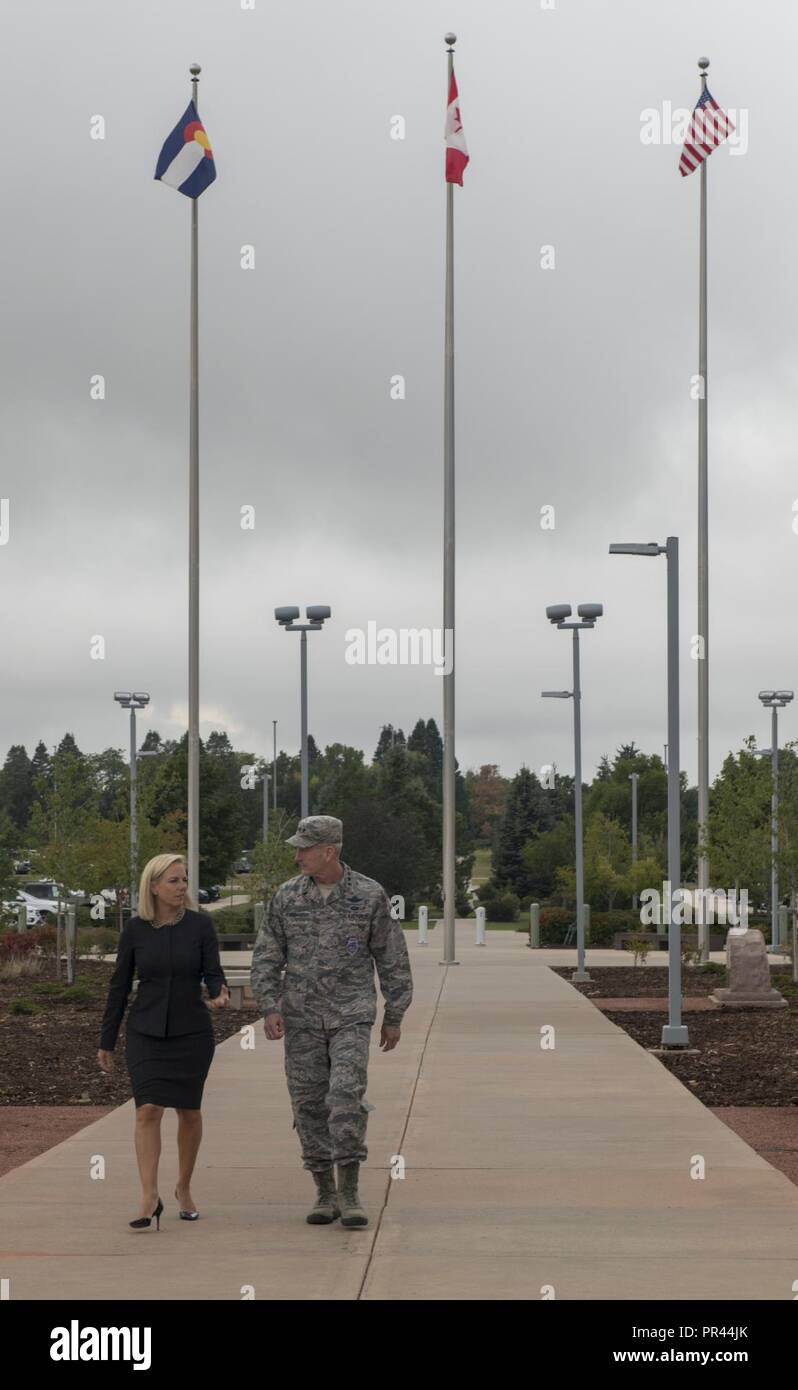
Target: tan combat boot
[(325, 1208), (352, 1214)]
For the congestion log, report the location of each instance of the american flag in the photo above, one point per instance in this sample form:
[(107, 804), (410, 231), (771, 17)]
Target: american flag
[(708, 128)]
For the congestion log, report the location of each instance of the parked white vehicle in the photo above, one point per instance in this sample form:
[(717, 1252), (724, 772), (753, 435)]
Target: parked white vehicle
[(33, 917), (45, 892)]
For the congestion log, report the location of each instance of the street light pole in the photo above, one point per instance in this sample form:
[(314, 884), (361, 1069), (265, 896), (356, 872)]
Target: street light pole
[(134, 847), (557, 614), (286, 617), (581, 973), (674, 1032), (274, 764), (134, 700), (634, 778), (303, 684), (266, 779), (774, 830), (774, 700)]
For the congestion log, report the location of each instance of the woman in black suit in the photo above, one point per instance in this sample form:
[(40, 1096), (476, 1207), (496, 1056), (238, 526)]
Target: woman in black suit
[(170, 1044)]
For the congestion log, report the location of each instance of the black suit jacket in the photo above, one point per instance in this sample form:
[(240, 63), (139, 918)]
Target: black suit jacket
[(171, 962)]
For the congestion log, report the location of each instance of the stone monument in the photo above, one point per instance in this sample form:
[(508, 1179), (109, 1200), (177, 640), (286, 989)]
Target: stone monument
[(749, 974)]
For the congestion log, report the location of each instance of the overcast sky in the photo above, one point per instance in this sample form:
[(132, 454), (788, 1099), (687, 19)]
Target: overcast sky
[(572, 384)]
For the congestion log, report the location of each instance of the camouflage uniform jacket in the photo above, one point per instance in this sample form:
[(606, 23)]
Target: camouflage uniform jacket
[(329, 949)]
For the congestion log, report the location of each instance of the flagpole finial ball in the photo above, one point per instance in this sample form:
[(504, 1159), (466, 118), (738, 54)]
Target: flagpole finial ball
[(195, 69), (450, 39), (703, 62)]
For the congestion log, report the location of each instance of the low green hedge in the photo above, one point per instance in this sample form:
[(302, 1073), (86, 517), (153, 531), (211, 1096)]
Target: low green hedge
[(234, 921)]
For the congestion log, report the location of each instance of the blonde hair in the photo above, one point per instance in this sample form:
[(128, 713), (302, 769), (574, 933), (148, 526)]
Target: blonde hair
[(150, 874)]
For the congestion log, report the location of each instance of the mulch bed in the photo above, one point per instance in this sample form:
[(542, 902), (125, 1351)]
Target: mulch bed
[(50, 1057), (745, 1057)]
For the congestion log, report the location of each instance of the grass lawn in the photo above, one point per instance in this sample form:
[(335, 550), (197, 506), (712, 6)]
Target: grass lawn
[(482, 866)]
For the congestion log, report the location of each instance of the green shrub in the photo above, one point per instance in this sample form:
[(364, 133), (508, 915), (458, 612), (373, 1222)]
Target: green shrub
[(487, 891), (554, 922), (101, 941), (47, 988), (77, 994), (638, 946), (24, 1006), (234, 921), (502, 909)]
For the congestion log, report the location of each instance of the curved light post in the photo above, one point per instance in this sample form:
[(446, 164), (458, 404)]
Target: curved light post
[(674, 1032), (774, 700), (137, 699), (287, 618), (558, 615), (634, 778)]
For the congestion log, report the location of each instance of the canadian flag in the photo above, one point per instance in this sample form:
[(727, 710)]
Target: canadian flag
[(456, 153)]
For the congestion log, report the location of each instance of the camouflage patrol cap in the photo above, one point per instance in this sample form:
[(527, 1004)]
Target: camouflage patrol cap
[(317, 830)]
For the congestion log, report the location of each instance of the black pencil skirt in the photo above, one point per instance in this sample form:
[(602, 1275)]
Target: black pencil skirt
[(169, 1071)]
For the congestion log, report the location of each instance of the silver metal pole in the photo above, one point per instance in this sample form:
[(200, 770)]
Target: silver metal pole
[(274, 764), (674, 1032), (634, 777), (265, 807), (580, 972), (304, 699), (774, 832), (448, 574), (703, 556), (134, 851), (193, 557)]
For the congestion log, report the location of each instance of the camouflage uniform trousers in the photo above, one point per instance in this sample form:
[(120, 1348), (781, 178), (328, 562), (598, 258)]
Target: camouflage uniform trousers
[(327, 1071)]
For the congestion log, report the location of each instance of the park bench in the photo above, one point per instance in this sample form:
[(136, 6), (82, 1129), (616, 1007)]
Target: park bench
[(237, 983), (236, 941)]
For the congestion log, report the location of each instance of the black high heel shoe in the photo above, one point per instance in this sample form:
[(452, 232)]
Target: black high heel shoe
[(144, 1221), (187, 1215)]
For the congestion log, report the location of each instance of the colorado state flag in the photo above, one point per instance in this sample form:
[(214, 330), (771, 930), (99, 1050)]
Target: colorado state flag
[(186, 160)]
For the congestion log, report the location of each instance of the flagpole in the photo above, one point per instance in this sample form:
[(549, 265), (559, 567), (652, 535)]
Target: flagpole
[(703, 558), (193, 555), (448, 572)]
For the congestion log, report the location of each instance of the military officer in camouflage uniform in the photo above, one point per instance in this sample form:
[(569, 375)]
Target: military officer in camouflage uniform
[(329, 927)]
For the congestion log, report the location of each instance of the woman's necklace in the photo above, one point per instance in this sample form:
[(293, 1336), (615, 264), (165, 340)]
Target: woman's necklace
[(172, 923)]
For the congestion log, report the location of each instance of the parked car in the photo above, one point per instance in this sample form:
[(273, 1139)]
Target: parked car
[(22, 866), (242, 866), (42, 894), (33, 918)]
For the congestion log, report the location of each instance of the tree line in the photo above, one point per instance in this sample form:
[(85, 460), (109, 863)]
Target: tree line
[(71, 809)]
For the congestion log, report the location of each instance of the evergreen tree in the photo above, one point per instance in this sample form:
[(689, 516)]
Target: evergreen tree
[(16, 789), (111, 776), (41, 769), (524, 814), (604, 772), (389, 737), (8, 842)]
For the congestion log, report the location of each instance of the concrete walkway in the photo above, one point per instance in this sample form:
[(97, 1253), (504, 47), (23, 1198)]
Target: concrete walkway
[(526, 1170)]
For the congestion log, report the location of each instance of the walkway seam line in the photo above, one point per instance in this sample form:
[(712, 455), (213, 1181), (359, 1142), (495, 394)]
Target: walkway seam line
[(391, 1180)]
